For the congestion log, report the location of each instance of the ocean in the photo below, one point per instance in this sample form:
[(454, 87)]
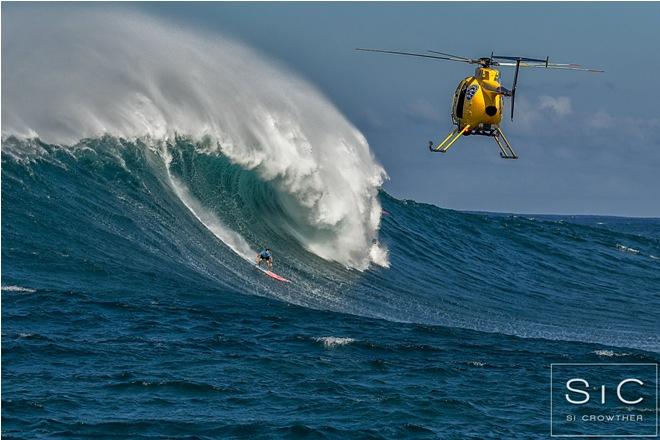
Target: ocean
[(144, 164), (131, 307)]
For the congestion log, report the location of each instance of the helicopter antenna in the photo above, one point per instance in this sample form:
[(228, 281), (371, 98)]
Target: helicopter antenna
[(513, 90)]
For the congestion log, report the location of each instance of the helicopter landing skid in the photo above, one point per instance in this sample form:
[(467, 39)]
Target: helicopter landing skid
[(449, 140), (506, 152)]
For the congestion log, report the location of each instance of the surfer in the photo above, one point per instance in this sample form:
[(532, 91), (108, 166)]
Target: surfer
[(265, 255)]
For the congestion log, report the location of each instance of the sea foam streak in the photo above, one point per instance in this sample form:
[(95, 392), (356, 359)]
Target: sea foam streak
[(231, 238), (91, 73), (333, 341)]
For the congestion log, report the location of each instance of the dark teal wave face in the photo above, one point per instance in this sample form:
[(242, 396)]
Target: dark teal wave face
[(107, 209), (123, 315), (538, 277)]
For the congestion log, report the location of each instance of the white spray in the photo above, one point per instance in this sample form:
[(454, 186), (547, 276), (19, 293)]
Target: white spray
[(67, 77)]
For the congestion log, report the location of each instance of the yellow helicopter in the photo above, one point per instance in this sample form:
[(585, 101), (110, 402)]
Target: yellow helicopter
[(478, 104)]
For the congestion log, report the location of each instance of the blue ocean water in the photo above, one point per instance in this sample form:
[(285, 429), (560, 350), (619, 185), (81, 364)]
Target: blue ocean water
[(124, 316)]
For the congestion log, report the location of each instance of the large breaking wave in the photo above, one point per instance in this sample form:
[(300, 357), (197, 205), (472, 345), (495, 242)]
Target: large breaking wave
[(84, 75), (143, 157), (109, 214)]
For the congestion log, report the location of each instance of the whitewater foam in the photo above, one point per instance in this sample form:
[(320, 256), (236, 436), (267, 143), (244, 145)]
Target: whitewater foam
[(333, 341), (92, 73), (627, 249), (476, 363), (17, 289), (609, 353)]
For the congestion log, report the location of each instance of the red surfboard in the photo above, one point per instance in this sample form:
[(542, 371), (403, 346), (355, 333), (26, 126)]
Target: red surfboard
[(273, 275)]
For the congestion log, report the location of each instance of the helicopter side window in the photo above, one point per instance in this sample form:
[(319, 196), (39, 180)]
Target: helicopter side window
[(484, 74), (461, 100)]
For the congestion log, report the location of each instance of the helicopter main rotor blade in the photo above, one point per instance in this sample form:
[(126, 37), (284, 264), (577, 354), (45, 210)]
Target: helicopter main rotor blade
[(560, 67), (412, 54), (458, 57), (553, 66), (499, 57)]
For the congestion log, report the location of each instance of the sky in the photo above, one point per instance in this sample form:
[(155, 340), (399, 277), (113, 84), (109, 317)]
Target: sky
[(588, 143)]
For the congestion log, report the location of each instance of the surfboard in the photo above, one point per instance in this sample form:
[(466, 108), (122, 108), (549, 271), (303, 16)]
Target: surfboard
[(273, 275)]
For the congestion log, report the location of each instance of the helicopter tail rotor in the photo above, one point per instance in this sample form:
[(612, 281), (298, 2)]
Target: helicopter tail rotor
[(513, 90)]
